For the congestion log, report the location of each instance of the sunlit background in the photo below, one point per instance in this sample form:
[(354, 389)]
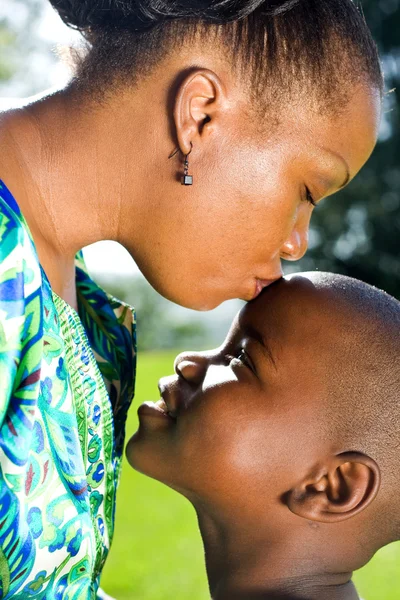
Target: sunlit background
[(157, 552)]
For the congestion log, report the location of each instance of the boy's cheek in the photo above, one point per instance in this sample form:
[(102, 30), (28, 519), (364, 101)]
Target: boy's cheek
[(236, 448), (218, 443)]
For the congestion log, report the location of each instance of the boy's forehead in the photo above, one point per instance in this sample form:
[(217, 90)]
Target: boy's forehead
[(292, 312), (285, 302)]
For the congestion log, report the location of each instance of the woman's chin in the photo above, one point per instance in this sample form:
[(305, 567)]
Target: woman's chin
[(203, 303), (201, 298)]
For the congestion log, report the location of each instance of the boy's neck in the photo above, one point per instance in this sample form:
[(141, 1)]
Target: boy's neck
[(346, 592), (249, 568), (343, 592)]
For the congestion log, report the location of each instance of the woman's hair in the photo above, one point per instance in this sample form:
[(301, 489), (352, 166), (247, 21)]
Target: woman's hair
[(278, 46)]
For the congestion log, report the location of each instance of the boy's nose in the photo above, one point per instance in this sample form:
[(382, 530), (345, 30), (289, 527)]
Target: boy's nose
[(191, 367)]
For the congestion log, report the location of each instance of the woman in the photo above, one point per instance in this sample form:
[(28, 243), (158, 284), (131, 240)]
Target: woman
[(260, 109)]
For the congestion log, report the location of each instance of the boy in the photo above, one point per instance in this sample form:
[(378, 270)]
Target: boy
[(286, 440)]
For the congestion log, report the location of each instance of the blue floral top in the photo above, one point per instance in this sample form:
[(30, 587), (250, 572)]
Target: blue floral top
[(66, 383)]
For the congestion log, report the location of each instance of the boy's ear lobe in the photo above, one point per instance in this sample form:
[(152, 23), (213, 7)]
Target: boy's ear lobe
[(337, 490)]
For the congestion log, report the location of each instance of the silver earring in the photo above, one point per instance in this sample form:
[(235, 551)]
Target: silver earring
[(186, 178)]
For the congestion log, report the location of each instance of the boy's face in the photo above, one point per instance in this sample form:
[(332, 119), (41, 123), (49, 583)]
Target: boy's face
[(247, 418)]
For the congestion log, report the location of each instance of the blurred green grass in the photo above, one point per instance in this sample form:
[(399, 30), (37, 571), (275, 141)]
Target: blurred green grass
[(157, 552)]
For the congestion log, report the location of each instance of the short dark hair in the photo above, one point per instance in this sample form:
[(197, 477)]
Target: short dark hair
[(363, 384), (315, 46)]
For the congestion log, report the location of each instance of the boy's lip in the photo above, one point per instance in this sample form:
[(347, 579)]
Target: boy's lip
[(171, 401), (167, 407), (153, 409)]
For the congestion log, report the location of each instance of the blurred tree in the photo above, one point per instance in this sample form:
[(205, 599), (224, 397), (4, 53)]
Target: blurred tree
[(357, 232), (159, 324), (22, 44), (7, 42)]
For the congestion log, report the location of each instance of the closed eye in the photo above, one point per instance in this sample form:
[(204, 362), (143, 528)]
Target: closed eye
[(310, 197)]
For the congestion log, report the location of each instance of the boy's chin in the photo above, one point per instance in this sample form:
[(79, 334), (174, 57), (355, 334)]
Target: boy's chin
[(135, 453), (145, 457), (150, 460)]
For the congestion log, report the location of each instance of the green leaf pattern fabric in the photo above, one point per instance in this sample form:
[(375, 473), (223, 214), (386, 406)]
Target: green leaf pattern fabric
[(66, 382)]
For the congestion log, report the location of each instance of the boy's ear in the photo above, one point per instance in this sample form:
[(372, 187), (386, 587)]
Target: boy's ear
[(337, 490)]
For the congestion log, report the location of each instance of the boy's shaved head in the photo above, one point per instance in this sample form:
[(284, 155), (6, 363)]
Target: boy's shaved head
[(364, 373), (363, 404), (366, 379)]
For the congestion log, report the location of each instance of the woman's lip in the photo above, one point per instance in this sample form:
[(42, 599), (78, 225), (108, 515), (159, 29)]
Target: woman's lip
[(261, 284)]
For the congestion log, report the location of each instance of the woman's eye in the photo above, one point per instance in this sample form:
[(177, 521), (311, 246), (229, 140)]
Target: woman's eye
[(310, 198)]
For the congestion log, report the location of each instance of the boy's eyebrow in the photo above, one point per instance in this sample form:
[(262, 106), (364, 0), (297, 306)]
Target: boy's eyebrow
[(254, 333)]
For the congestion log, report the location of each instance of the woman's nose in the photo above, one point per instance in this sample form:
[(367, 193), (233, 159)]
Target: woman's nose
[(296, 244), (191, 367)]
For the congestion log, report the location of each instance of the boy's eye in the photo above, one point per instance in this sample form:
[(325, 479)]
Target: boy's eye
[(246, 360)]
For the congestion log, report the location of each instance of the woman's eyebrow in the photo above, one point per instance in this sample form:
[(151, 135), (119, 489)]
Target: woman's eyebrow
[(256, 335)]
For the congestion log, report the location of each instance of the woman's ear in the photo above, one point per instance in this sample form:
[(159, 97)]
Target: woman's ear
[(200, 96), (336, 490)]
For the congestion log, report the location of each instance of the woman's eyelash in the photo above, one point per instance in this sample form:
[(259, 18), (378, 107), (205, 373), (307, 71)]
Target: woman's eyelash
[(309, 197)]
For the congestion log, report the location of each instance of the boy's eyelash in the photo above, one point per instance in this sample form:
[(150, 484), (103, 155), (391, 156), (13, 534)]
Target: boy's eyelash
[(310, 198), (243, 355)]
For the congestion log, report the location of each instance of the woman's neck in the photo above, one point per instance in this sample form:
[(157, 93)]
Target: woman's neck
[(250, 566), (62, 165), (51, 163)]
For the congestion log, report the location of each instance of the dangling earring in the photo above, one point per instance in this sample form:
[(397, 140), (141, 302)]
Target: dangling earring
[(186, 178)]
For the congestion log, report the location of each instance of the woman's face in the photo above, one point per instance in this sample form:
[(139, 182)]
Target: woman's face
[(249, 206)]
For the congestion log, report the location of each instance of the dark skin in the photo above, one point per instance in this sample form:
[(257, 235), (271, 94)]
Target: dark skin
[(84, 172), (283, 503)]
